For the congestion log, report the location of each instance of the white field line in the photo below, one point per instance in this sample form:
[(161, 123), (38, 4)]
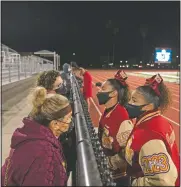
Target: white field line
[(99, 112), (175, 109), (176, 101), (171, 120)]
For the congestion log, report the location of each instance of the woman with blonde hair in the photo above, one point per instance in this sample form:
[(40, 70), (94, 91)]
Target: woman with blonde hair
[(36, 157)]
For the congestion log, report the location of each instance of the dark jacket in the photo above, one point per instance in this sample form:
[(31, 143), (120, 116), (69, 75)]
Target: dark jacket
[(65, 75), (36, 158)]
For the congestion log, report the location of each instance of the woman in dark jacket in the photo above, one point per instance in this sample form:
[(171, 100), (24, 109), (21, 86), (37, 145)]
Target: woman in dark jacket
[(36, 157), (65, 75)]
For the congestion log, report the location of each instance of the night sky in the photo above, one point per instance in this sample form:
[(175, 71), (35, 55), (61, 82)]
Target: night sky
[(81, 27)]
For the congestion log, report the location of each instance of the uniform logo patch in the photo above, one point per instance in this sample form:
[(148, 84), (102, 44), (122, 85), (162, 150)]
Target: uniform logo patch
[(106, 139), (155, 164), (129, 153), (123, 137)]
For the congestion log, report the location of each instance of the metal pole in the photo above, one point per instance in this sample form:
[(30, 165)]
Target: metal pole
[(9, 72), (25, 67), (87, 169), (30, 65), (19, 69), (108, 57), (113, 52), (54, 61), (57, 60)]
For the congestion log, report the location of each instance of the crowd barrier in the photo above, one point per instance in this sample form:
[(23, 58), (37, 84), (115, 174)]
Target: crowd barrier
[(92, 167)]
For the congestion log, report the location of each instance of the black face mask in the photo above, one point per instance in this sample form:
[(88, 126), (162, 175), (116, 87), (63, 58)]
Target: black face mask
[(59, 89), (103, 97), (134, 111)]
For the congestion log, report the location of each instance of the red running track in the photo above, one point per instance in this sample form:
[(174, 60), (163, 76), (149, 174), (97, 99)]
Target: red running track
[(172, 115)]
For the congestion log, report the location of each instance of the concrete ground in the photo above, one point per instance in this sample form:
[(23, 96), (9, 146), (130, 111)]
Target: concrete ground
[(12, 120)]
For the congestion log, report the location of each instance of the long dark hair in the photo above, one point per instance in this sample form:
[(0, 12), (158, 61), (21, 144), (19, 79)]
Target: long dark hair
[(123, 91)]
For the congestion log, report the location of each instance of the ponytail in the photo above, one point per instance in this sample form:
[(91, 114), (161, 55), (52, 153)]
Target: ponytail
[(123, 91), (38, 97), (163, 101)]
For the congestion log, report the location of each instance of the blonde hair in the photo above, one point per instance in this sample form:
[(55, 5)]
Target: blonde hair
[(45, 105)]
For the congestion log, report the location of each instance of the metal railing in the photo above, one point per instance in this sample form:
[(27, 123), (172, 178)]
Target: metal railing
[(16, 67), (92, 167)]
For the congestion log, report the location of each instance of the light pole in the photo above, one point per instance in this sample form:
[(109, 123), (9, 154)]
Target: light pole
[(113, 52), (115, 31), (144, 31), (73, 56)]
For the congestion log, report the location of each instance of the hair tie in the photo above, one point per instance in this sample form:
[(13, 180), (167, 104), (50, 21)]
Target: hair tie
[(121, 77), (154, 83)]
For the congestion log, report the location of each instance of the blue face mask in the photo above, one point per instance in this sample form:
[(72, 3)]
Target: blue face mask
[(134, 111)]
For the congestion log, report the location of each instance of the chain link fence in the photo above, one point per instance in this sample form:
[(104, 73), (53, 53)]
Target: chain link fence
[(16, 67)]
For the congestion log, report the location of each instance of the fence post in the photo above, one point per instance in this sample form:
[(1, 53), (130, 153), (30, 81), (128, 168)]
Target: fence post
[(30, 65), (19, 70), (178, 75), (25, 67), (9, 72)]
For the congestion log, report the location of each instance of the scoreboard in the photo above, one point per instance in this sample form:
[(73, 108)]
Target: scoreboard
[(163, 55)]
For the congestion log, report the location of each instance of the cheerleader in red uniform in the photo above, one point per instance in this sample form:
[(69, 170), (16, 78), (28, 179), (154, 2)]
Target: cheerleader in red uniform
[(114, 125), (151, 150)]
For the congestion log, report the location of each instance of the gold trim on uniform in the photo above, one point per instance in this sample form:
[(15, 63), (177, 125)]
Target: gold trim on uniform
[(129, 153), (109, 113), (148, 116)]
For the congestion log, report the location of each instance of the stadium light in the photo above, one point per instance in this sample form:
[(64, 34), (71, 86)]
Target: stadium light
[(126, 61), (73, 54), (177, 56), (121, 61), (140, 62)]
